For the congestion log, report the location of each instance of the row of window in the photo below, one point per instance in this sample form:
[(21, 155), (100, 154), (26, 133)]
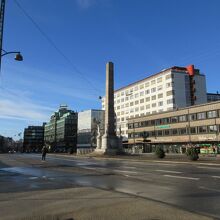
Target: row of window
[(142, 94), (177, 119), (148, 106), (147, 99), (178, 131), (145, 85)]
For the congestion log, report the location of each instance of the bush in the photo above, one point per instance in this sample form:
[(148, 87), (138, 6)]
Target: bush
[(192, 153), (160, 152)]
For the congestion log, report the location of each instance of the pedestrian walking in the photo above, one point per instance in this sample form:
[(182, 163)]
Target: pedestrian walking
[(44, 152)]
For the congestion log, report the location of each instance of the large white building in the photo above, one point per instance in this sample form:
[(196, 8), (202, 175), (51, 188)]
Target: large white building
[(172, 88)]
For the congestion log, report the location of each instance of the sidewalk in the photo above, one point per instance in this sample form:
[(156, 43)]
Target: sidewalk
[(86, 203), (148, 157)]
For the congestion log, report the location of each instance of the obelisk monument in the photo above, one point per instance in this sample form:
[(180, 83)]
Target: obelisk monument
[(109, 142)]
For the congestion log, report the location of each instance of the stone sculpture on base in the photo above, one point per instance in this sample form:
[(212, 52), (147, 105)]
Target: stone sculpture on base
[(110, 143)]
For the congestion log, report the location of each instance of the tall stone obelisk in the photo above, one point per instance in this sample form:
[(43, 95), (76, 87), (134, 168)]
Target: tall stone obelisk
[(110, 143)]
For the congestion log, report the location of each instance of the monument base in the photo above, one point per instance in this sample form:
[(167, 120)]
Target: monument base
[(111, 145)]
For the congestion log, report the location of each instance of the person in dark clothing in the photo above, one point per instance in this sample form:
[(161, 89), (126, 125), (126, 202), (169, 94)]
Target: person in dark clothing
[(44, 152)]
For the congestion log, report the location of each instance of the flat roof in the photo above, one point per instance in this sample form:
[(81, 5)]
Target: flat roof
[(176, 68)]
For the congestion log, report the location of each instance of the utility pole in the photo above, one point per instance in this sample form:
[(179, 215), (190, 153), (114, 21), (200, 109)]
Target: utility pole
[(2, 15)]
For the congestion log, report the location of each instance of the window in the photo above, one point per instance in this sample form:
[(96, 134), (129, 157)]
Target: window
[(147, 92), (131, 110), (201, 115), (182, 118), (153, 90), (142, 93), (171, 92), (122, 100), (159, 88), (202, 129), (137, 109), (160, 103), (131, 103), (160, 95), (118, 94), (148, 106), (170, 101), (141, 86), (147, 84), (212, 114), (122, 93), (142, 101), (193, 130), (142, 108), (183, 131), (135, 88), (147, 99), (212, 128), (174, 132), (118, 107), (167, 132), (159, 79), (192, 117), (136, 95), (118, 101), (153, 82), (159, 133), (122, 106), (131, 97), (126, 98), (154, 105), (169, 76), (127, 105), (174, 119), (153, 97), (137, 102), (136, 124), (168, 85), (122, 113)]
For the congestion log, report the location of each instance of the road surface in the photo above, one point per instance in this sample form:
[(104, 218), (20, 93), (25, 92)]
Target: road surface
[(194, 188)]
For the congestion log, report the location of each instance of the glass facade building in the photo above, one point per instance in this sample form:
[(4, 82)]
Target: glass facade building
[(61, 131), (89, 122)]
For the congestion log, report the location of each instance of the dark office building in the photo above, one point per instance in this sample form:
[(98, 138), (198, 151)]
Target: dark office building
[(60, 132), (33, 138)]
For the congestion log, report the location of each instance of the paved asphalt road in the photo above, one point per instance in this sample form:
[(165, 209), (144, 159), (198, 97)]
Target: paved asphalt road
[(193, 187)]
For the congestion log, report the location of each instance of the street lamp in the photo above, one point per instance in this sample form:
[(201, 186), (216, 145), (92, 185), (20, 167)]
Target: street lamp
[(18, 56)]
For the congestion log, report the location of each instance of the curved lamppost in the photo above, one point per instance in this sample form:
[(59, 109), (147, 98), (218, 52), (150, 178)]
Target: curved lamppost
[(18, 56)]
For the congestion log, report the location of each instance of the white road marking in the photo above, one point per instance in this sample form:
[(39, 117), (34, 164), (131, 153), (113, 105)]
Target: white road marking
[(210, 189), (216, 177), (182, 177), (214, 168), (168, 171), (125, 171), (129, 167), (33, 177)]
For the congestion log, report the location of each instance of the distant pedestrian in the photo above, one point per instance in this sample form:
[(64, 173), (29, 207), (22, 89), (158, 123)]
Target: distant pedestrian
[(44, 152), (214, 150)]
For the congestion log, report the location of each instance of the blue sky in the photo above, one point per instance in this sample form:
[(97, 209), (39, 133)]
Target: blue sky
[(141, 37)]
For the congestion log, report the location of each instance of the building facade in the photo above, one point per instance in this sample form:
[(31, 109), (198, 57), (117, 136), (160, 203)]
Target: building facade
[(176, 130), (60, 132), (169, 89), (90, 122), (212, 97), (33, 138)]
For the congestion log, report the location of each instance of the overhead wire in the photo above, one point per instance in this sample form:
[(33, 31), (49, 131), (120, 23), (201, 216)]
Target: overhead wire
[(52, 43)]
